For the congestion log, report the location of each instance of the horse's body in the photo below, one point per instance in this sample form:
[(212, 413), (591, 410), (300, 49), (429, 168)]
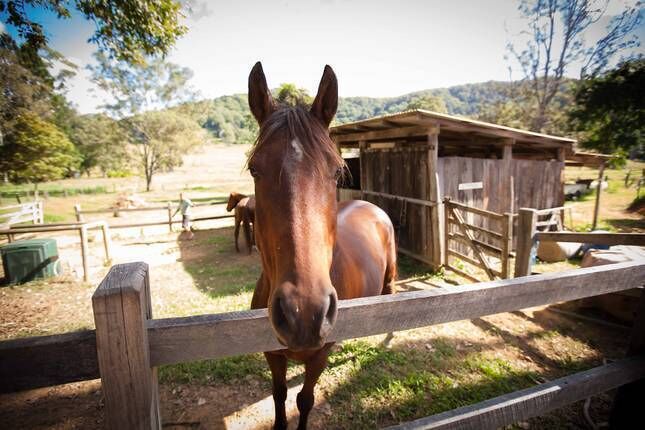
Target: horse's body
[(314, 251), (245, 215)]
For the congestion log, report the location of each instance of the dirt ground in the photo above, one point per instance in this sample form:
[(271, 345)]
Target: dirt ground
[(370, 383)]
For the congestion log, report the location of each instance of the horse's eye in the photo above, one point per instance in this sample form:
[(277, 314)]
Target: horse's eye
[(338, 173), (254, 172)]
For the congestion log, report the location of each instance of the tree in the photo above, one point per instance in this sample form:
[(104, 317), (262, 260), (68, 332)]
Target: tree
[(290, 94), (102, 143), (38, 151), (126, 30), (161, 138), (138, 90), (610, 112), (431, 103), (558, 40)]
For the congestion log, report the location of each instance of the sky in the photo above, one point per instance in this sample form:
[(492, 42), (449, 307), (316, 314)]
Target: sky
[(377, 48)]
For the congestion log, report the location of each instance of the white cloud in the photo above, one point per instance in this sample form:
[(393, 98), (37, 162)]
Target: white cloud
[(3, 29)]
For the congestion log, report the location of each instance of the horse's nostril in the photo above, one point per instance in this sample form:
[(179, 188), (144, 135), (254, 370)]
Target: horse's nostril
[(279, 317), (332, 310)]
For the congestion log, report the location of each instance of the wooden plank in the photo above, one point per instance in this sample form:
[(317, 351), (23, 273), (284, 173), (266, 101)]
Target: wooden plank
[(436, 226), (507, 244), (535, 401), (407, 199), (633, 239), (525, 240), (390, 133), (176, 340), (121, 306), (487, 232), (44, 361), (148, 224), (472, 261), (491, 249), (478, 211)]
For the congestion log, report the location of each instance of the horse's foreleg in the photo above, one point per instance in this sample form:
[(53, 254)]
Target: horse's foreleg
[(278, 366), (313, 368), (238, 220), (389, 286)]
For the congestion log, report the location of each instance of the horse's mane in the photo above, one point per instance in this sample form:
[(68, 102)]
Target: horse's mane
[(299, 123)]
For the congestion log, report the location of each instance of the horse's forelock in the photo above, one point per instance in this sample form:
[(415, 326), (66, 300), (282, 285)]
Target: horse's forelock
[(317, 147)]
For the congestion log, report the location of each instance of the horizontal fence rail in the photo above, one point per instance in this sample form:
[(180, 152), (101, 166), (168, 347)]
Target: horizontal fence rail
[(523, 404), (610, 239), (175, 340)]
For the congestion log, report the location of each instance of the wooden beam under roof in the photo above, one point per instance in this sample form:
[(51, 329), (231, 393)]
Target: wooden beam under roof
[(392, 133)]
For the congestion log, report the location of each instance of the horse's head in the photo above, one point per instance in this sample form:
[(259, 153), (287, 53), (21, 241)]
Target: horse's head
[(295, 166), (233, 199)]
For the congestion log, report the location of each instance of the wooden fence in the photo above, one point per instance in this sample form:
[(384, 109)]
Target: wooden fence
[(481, 243), (529, 234), (128, 344), (168, 208), (21, 213), (81, 227)]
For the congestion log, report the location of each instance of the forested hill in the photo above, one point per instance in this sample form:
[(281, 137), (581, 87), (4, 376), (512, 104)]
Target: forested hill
[(466, 100), (228, 117)]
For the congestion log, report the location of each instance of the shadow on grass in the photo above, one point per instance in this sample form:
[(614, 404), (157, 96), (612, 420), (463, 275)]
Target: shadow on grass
[(627, 225), (216, 268)]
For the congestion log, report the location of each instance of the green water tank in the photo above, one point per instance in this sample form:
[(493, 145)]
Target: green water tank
[(26, 260)]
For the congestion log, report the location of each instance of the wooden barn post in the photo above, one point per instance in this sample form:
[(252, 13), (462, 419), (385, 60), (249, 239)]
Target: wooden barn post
[(526, 228), (434, 195), (122, 307), (507, 197), (628, 402), (169, 217), (362, 146)]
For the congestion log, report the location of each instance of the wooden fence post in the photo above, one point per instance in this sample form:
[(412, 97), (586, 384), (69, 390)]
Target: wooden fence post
[(107, 242), (77, 211), (169, 217), (121, 306), (84, 252), (447, 209), (628, 402), (507, 244), (526, 227)]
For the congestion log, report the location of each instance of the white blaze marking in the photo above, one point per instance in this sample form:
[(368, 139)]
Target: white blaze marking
[(297, 149)]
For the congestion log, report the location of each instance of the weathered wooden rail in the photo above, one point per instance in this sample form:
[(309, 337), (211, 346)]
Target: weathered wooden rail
[(81, 227), (168, 208), (128, 344)]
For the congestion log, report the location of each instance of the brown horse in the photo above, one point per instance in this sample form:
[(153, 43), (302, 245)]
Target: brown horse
[(314, 251), (244, 214)]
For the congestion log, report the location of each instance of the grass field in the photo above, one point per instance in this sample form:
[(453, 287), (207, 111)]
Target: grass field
[(370, 382)]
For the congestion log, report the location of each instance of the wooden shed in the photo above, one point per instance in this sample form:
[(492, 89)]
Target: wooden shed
[(408, 162)]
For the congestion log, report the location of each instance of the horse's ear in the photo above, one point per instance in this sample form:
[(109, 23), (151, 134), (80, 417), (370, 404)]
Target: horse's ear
[(326, 102), (260, 99)]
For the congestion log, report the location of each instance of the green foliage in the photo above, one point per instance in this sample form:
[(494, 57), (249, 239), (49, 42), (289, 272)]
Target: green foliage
[(102, 143), (428, 102), (128, 30), (610, 111), (37, 151), (160, 138), (290, 94)]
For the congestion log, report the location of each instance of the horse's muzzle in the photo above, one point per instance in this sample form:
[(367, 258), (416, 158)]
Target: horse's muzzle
[(303, 321)]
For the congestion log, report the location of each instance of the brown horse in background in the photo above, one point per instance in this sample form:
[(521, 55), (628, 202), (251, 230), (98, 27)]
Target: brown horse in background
[(314, 250), (244, 214)]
